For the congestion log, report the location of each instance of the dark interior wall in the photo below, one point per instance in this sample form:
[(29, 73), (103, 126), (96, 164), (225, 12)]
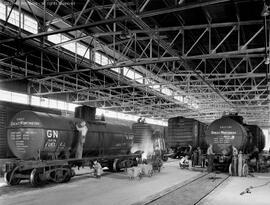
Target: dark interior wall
[(14, 86)]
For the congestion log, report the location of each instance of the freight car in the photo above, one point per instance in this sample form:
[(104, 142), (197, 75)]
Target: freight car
[(43, 142), (229, 131), (148, 140), (183, 132)]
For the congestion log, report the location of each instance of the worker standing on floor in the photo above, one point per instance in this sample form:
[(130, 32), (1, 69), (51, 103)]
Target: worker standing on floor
[(234, 161), (200, 157), (210, 158), (81, 139), (98, 169)]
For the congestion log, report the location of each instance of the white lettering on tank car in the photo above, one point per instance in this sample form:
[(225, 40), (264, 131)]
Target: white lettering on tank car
[(52, 133), (228, 132)]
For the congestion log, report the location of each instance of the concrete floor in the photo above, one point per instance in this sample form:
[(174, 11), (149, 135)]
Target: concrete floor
[(112, 188), (229, 192)]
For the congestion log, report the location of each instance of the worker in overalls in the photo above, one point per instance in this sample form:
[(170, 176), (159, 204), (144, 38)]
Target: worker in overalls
[(210, 158), (98, 169), (81, 139)]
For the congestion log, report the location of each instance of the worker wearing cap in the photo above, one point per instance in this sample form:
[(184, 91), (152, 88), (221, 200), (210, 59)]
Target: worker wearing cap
[(82, 133)]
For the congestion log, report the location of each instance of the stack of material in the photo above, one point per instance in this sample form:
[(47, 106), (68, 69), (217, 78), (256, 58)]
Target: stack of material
[(134, 172), (147, 169)]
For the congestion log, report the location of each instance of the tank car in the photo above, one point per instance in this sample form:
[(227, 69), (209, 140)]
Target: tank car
[(229, 131), (35, 136)]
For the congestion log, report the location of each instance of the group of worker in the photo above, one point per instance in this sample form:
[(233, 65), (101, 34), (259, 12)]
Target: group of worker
[(195, 157)]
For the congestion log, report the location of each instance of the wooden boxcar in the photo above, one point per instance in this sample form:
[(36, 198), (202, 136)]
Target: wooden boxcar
[(183, 132)]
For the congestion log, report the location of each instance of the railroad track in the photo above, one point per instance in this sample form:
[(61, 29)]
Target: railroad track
[(189, 193)]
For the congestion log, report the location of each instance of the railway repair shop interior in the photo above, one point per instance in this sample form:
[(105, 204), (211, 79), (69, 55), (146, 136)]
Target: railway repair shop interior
[(134, 102)]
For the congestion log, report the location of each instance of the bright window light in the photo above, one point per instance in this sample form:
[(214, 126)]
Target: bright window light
[(167, 91), (81, 50), (70, 47), (14, 17), (133, 75), (56, 38), (27, 23), (44, 102), (110, 61), (62, 105), (155, 87), (5, 95), (64, 38), (97, 58), (123, 116), (19, 98), (59, 38), (53, 103), (104, 60), (128, 73), (30, 24), (71, 107), (117, 70), (35, 100), (2, 11), (179, 98), (138, 77)]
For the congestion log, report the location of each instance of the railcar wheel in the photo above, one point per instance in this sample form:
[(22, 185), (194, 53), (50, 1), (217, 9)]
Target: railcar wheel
[(10, 179), (68, 175), (245, 170), (59, 176), (35, 177)]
